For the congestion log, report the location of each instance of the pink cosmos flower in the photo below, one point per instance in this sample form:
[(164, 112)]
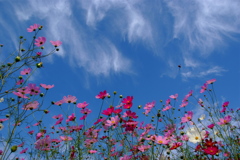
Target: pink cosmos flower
[(130, 114), (34, 90), (43, 144), (58, 116), (31, 132), (20, 82), (82, 105), (83, 117), (223, 109), (24, 151), (143, 148), (225, 104), (167, 108), (71, 118), (56, 43), (126, 157), (108, 111), (47, 86), (184, 104), (20, 95), (174, 96), (33, 28), (113, 121), (211, 81), (40, 41), (86, 111), (92, 151), (69, 99), (127, 102), (20, 145), (59, 121), (59, 103), (99, 120), (187, 117), (102, 95), (168, 101), (66, 138), (31, 105), (203, 88), (148, 107), (225, 120), (2, 120), (161, 140), (26, 71), (39, 53), (211, 126), (175, 145)]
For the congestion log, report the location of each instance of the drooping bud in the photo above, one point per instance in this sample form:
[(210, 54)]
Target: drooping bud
[(14, 148)]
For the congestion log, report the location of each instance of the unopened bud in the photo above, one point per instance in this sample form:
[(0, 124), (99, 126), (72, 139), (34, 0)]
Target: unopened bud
[(14, 148)]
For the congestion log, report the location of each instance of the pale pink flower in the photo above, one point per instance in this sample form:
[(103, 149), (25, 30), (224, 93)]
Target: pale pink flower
[(168, 101), (47, 86), (203, 88), (187, 117), (174, 96), (225, 120), (26, 71), (126, 157), (43, 144), (66, 138), (34, 90), (148, 107), (167, 108), (82, 105), (92, 151), (211, 81), (113, 121), (161, 140), (58, 116), (33, 27), (86, 111), (56, 43), (59, 103), (69, 99), (184, 104), (40, 41), (31, 105), (143, 148)]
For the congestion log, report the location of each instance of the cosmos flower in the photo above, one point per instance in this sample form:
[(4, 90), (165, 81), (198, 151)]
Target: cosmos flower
[(33, 27), (40, 41), (56, 43), (195, 135)]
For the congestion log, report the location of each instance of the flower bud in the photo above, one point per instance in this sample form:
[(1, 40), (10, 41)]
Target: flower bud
[(22, 50), (14, 148), (17, 59), (21, 37), (121, 96), (109, 96), (115, 92), (39, 65), (57, 49)]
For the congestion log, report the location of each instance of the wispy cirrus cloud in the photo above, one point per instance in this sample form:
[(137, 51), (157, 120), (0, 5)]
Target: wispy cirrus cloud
[(204, 25), (97, 55), (213, 70)]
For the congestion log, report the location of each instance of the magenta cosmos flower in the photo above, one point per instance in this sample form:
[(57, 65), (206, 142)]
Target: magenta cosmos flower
[(33, 27), (40, 41), (102, 95), (56, 43)]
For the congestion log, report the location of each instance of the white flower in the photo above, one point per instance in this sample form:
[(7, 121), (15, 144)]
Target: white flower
[(1, 99), (1, 126), (202, 117), (195, 135)]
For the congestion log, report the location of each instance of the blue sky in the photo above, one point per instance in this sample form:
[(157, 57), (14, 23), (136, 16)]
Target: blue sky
[(132, 47)]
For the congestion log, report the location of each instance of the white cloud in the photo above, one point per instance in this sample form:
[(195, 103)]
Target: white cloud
[(96, 54), (205, 24), (199, 73)]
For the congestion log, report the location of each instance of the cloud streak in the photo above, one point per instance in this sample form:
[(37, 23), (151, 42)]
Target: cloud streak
[(204, 24)]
